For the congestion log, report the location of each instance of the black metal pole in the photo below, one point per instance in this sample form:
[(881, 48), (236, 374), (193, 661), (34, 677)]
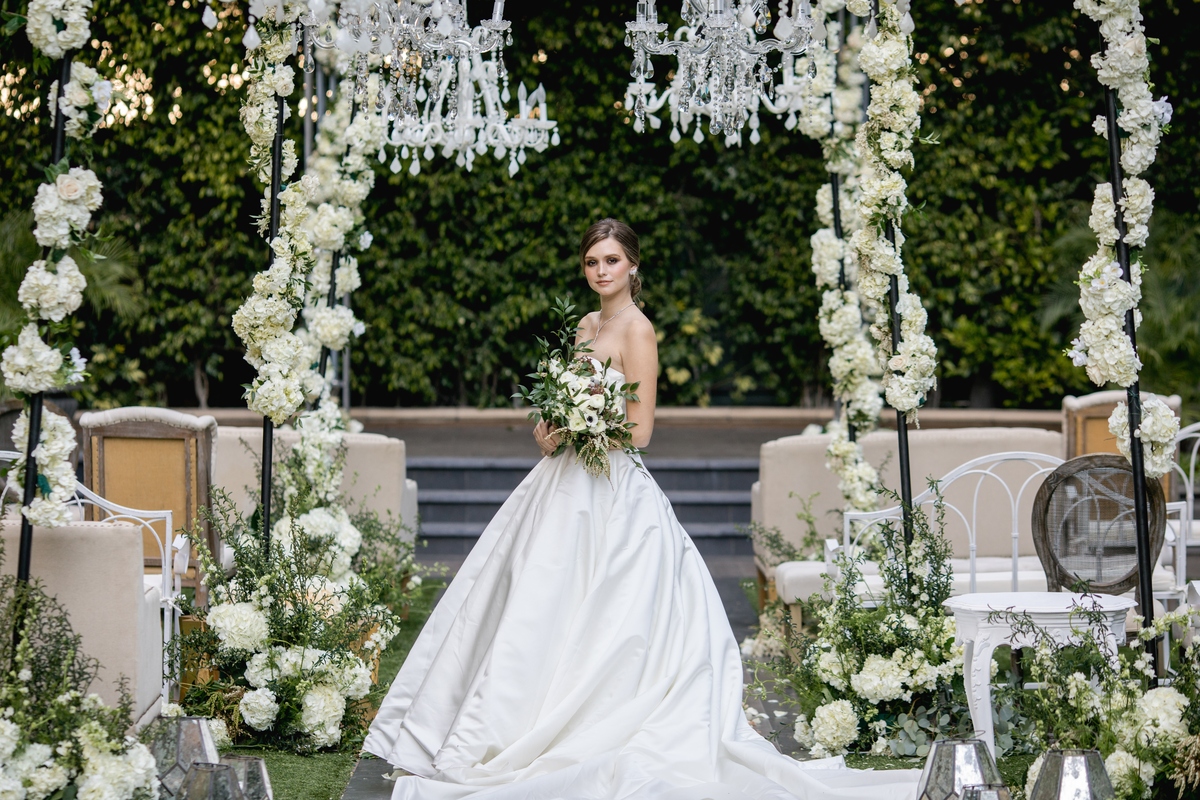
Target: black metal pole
[(36, 402), (268, 426), (901, 423), (1133, 391)]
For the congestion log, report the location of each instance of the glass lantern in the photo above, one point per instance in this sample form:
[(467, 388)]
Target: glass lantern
[(986, 791), (176, 744), (251, 775), (1074, 774), (954, 764), (210, 782)]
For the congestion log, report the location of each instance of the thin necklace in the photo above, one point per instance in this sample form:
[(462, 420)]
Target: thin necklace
[(605, 322)]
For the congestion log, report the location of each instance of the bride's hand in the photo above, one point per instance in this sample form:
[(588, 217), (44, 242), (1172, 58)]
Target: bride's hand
[(546, 438)]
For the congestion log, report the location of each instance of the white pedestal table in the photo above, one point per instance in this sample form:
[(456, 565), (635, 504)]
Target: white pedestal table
[(981, 633)]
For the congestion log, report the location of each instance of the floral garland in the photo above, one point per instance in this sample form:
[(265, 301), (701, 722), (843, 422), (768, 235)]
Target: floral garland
[(830, 112), (56, 26), (885, 142), (53, 456), (264, 322), (84, 102), (1157, 432), (1103, 347), (43, 357), (340, 163)]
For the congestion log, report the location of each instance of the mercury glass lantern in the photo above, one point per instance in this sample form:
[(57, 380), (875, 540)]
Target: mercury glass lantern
[(1072, 775), (176, 744), (252, 776), (954, 764), (986, 791), (210, 782)]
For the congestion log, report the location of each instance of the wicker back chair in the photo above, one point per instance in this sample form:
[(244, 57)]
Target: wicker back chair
[(1084, 529)]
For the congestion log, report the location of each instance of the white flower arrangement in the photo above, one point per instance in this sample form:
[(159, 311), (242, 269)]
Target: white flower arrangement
[(85, 100), (345, 176), (1157, 432), (885, 142), (830, 113), (293, 648), (56, 741), (1103, 347), (317, 453), (53, 455), (63, 209), (240, 626), (834, 728), (56, 26), (52, 295)]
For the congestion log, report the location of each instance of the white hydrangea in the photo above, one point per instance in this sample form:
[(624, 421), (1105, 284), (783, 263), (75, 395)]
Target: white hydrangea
[(239, 626), (1157, 432), (52, 295), (259, 709), (331, 326), (880, 680), (1124, 770), (321, 712), (1160, 717), (353, 679), (62, 210), (31, 366), (56, 26), (834, 728), (53, 455)]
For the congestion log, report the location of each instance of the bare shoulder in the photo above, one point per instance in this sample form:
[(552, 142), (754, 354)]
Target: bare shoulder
[(640, 331), (587, 325)]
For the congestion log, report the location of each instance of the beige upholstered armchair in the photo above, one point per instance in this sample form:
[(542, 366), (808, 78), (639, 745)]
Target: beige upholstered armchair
[(142, 457), (94, 569)]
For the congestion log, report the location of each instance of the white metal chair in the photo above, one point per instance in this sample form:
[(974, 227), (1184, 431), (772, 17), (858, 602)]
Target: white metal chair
[(1004, 482), (1187, 461), (176, 551)]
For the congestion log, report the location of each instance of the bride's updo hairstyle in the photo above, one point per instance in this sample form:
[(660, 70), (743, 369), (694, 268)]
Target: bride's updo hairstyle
[(624, 236)]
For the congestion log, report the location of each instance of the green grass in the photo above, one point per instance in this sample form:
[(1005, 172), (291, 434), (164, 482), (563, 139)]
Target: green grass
[(324, 776)]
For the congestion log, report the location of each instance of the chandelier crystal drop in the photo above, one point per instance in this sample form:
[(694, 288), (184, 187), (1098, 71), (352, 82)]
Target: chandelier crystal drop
[(724, 73)]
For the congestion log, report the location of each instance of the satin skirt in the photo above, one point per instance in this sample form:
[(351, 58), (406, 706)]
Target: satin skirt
[(582, 651)]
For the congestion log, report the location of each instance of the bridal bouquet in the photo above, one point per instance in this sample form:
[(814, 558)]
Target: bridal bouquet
[(569, 392)]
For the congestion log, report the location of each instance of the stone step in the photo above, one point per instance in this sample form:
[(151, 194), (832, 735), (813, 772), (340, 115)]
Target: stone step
[(459, 496)]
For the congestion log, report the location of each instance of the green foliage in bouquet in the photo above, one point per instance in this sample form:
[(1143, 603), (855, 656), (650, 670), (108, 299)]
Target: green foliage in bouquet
[(571, 394), (56, 741), (885, 677), (1092, 695), (284, 654)]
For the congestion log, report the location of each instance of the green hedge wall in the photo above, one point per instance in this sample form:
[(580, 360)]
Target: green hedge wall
[(465, 265)]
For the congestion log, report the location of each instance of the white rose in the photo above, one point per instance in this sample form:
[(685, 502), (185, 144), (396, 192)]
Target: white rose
[(69, 188)]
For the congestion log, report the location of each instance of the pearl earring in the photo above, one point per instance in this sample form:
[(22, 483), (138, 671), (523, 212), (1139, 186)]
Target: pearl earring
[(633, 271)]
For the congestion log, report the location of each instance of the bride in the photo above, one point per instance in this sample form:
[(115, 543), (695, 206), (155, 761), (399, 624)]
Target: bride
[(582, 650)]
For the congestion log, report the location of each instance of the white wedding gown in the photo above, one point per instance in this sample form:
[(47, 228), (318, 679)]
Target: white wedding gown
[(582, 653)]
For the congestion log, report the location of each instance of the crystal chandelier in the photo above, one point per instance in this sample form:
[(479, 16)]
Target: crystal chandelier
[(437, 90), (467, 118), (723, 71)]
